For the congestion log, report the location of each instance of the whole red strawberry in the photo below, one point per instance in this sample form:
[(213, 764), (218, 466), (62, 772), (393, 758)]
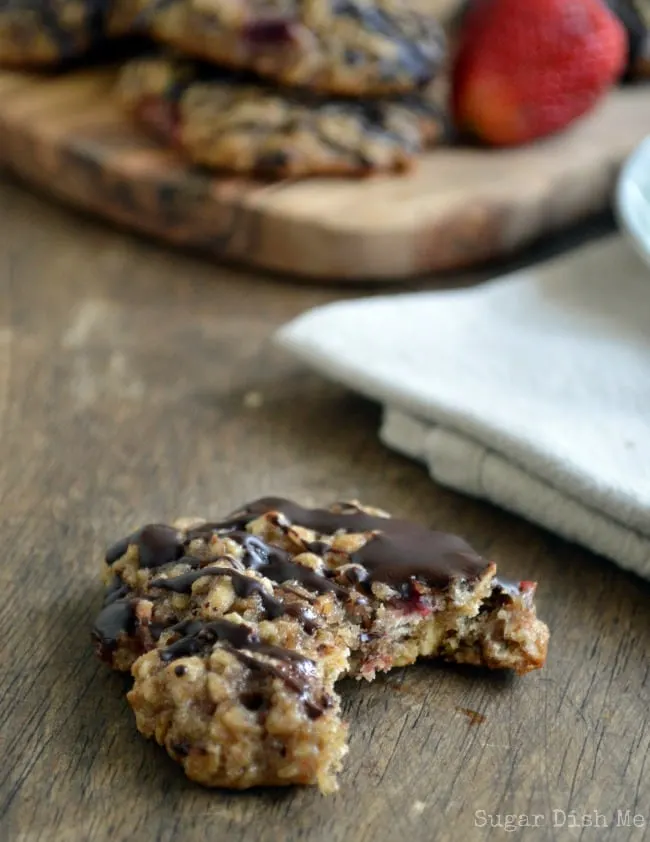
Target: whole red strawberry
[(527, 68)]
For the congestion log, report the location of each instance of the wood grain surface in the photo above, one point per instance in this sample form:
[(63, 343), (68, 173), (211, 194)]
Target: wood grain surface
[(137, 384), (457, 208)]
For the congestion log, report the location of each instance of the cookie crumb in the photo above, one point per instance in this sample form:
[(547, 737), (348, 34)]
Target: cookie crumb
[(474, 717)]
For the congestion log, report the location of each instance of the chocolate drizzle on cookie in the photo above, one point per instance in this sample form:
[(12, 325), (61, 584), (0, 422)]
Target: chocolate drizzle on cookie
[(240, 640), (243, 586), (197, 635), (288, 560), (116, 590), (157, 545), (435, 558), (350, 519), (398, 552), (115, 619), (276, 564)]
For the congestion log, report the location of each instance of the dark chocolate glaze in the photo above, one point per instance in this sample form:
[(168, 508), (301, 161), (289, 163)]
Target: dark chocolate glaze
[(399, 551), (275, 563), (116, 618), (317, 547), (187, 627), (197, 635), (244, 586), (156, 629), (319, 520), (402, 551), (240, 640), (295, 683), (396, 557), (157, 544), (116, 590)]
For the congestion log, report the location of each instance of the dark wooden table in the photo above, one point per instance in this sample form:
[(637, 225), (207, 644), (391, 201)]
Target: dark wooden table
[(138, 383)]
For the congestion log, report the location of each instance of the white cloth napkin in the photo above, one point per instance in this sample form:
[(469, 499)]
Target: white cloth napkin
[(532, 391)]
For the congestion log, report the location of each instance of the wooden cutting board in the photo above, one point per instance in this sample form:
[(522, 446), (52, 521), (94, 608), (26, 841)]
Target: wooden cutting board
[(457, 208)]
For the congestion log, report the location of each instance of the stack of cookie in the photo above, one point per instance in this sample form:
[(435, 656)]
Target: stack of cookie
[(279, 87), (291, 87)]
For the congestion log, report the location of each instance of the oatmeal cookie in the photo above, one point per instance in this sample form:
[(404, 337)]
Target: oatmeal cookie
[(354, 47), (37, 33), (238, 711), (237, 630), (349, 578), (230, 121)]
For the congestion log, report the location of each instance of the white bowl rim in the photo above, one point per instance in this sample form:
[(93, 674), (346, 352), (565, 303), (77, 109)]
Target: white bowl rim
[(635, 170)]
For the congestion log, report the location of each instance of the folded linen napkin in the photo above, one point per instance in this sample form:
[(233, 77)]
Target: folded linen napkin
[(531, 391)]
